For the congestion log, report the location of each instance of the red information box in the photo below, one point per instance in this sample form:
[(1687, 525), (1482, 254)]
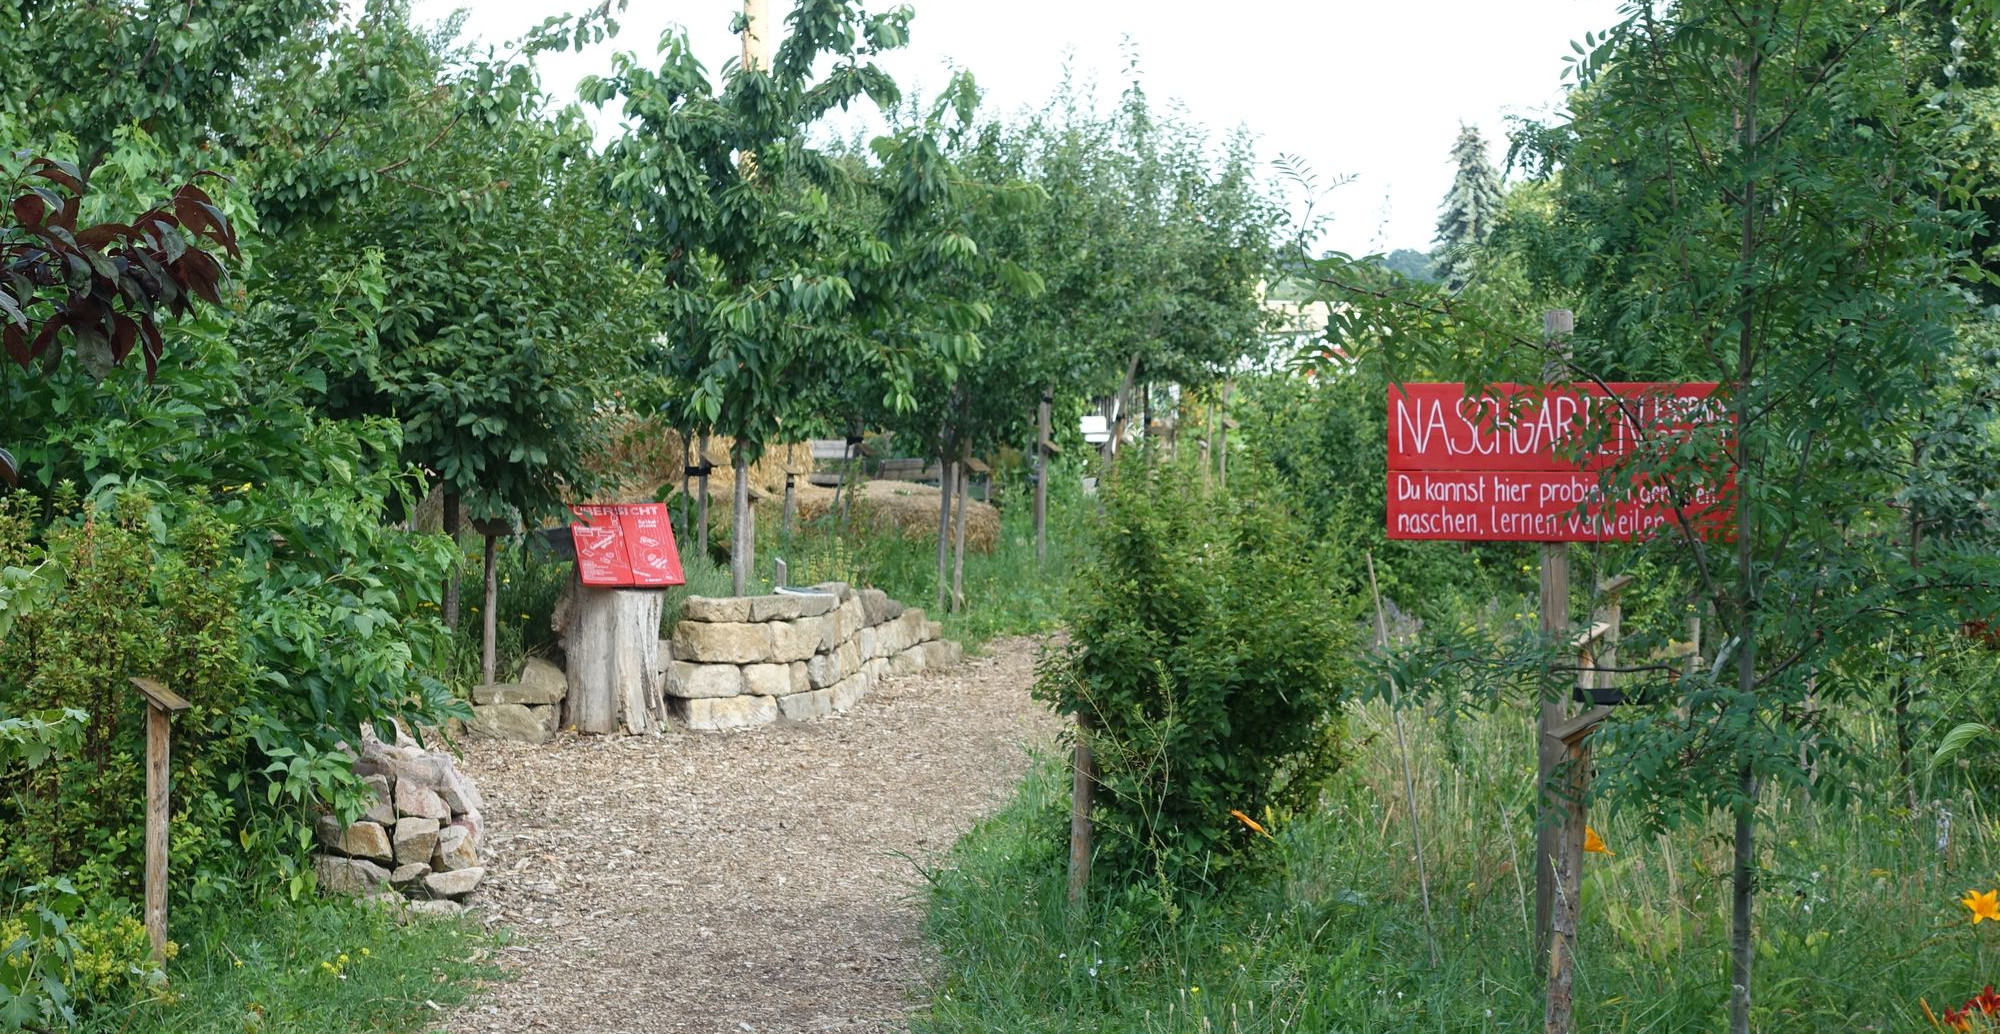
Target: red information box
[(626, 546), (1500, 466)]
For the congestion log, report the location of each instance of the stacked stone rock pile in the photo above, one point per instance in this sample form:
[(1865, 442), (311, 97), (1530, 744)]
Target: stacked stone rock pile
[(741, 661), (420, 837)]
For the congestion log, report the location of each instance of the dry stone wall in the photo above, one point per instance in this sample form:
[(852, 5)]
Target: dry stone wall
[(739, 661), (742, 661)]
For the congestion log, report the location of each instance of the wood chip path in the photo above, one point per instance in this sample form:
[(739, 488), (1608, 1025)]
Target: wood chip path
[(763, 881)]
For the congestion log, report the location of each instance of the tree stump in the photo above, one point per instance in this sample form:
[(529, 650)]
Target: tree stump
[(615, 665)]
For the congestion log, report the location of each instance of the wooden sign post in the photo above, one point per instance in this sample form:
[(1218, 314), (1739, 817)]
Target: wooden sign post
[(1526, 463), (161, 705)]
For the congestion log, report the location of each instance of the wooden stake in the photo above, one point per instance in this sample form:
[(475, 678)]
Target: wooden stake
[(1042, 419), (1572, 740), (449, 607), (791, 503), (489, 630), (701, 509), (1082, 779), (958, 531), (944, 527), (1555, 622), (161, 706)]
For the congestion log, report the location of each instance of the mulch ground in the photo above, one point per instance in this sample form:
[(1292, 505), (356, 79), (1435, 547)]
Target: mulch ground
[(762, 881)]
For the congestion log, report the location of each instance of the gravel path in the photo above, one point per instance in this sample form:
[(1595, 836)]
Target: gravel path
[(761, 881)]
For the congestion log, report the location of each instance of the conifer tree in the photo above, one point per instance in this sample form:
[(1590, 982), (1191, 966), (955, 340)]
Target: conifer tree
[(1469, 210)]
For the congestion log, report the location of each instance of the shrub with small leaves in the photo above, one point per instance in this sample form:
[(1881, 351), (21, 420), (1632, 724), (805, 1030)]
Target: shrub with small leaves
[(1208, 647)]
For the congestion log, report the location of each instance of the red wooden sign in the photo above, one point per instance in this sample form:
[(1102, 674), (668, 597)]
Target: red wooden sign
[(1503, 465), (626, 545)]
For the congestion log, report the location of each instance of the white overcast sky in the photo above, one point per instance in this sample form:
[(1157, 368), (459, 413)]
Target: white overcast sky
[(1372, 89)]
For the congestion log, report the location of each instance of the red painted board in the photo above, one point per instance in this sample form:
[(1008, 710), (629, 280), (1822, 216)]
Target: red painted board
[(600, 555), (1532, 506), (649, 540), (1518, 427)]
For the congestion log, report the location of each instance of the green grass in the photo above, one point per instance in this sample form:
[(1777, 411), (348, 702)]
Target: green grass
[(1007, 591), (1858, 917), (308, 967)]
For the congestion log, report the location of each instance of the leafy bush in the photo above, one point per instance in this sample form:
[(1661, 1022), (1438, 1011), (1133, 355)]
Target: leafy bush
[(1326, 442), (1208, 645)]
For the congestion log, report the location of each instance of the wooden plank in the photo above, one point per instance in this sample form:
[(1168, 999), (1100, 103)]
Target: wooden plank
[(1082, 778), (160, 696)]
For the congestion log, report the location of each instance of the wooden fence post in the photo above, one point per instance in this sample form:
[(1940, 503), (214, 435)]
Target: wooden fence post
[(1082, 779), (1555, 619), (1572, 739), (161, 705), (1042, 418)]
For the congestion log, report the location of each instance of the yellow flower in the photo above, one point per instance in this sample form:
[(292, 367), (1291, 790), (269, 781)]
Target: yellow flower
[(1594, 844), (1251, 823), (1983, 906)]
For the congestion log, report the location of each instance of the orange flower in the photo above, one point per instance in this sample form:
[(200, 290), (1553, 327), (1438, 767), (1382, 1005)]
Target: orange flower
[(1983, 906), (1594, 844), (1252, 823)]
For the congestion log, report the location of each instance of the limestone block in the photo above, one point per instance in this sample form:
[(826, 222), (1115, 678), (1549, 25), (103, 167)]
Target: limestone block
[(713, 715), (550, 717), (791, 606), (454, 850), (728, 642), (933, 631), (875, 606), (849, 691), (381, 800), (513, 693), (361, 840), (825, 669), (839, 590), (454, 884), (798, 707), (943, 653), (769, 680), (691, 681), (848, 621), (794, 640), (517, 722), (440, 908), (415, 840), (338, 875), (543, 678), (876, 669), (869, 642), (909, 662), (892, 638), (712, 608), (409, 873)]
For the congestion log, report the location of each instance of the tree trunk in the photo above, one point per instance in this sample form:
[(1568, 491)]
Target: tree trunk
[(1042, 419), (944, 528), (1741, 934), (1222, 438), (958, 535), (1118, 406), (741, 557), (450, 604), (489, 630), (1742, 901), (614, 661)]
